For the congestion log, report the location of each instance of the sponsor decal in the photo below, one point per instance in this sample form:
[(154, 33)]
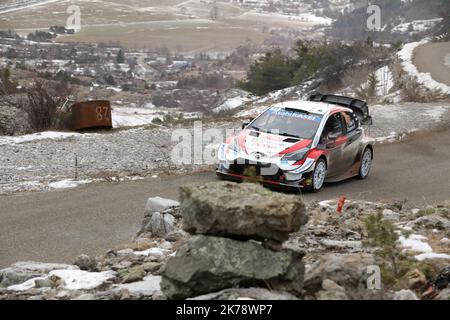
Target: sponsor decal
[(294, 114)]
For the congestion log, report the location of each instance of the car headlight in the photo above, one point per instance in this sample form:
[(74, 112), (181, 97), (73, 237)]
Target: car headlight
[(296, 155)]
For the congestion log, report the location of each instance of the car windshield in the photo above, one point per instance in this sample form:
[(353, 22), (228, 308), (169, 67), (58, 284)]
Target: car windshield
[(288, 122)]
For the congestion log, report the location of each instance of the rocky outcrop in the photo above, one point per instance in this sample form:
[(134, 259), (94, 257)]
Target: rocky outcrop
[(22, 271), (229, 219), (208, 264), (158, 216), (13, 121), (229, 266), (343, 269), (245, 211)]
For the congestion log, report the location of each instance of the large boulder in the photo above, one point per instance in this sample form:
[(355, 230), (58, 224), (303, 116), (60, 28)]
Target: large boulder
[(158, 204), (159, 225), (158, 217), (241, 211), (209, 264)]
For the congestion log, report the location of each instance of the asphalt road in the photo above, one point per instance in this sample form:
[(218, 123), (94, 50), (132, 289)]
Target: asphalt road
[(435, 59), (59, 225)]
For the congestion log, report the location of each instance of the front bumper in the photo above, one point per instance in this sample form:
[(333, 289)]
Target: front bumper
[(276, 179)]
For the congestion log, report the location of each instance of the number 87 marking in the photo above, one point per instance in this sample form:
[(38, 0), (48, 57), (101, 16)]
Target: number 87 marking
[(102, 113)]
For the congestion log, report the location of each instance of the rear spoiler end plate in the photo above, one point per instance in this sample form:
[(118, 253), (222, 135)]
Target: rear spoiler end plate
[(359, 107)]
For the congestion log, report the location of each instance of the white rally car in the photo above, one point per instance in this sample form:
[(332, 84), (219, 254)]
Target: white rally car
[(301, 144)]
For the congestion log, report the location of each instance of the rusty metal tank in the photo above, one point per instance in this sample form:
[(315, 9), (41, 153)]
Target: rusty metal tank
[(91, 114)]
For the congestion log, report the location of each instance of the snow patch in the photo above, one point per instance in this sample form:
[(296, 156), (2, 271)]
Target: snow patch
[(415, 243), (147, 287), (27, 285), (37, 136), (232, 103), (416, 26), (66, 184), (82, 280), (432, 255), (132, 117), (155, 252)]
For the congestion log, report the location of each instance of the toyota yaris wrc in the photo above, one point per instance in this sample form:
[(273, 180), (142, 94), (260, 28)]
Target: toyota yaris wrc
[(301, 144)]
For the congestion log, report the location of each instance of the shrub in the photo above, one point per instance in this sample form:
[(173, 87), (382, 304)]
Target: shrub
[(381, 235), (41, 101)]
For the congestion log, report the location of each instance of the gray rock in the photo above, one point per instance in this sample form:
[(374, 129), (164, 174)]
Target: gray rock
[(63, 295), (176, 235), (133, 274), (22, 271), (391, 215), (405, 295), (331, 295), (432, 221), (149, 286), (331, 291), (444, 295), (347, 270), (158, 204), (43, 283), (246, 293), (125, 252), (208, 264), (84, 262), (159, 224), (330, 285), (245, 211), (86, 296)]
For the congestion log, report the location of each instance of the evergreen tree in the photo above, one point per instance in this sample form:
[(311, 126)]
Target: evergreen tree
[(120, 57), (269, 74)]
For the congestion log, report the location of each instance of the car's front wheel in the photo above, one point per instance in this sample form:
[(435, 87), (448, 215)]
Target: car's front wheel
[(319, 174), (366, 163)]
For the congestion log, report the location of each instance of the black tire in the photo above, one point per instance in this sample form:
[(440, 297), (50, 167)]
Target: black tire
[(363, 170), (321, 164)]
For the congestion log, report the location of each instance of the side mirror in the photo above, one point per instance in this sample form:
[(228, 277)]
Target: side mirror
[(367, 121), (330, 144), (332, 136), (245, 124)]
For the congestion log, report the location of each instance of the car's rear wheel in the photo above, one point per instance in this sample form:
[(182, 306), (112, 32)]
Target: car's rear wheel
[(318, 176), (366, 163)]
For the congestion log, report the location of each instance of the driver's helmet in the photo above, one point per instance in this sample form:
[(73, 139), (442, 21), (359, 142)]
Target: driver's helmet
[(333, 125)]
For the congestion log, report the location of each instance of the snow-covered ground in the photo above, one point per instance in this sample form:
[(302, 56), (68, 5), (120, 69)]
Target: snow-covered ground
[(416, 26), (305, 18), (425, 79), (73, 279), (132, 117), (235, 102), (418, 243), (52, 135)]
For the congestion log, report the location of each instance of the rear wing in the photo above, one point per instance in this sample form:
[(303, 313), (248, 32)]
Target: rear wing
[(359, 107)]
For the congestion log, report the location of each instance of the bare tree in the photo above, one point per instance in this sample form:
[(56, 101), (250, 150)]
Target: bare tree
[(40, 101)]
